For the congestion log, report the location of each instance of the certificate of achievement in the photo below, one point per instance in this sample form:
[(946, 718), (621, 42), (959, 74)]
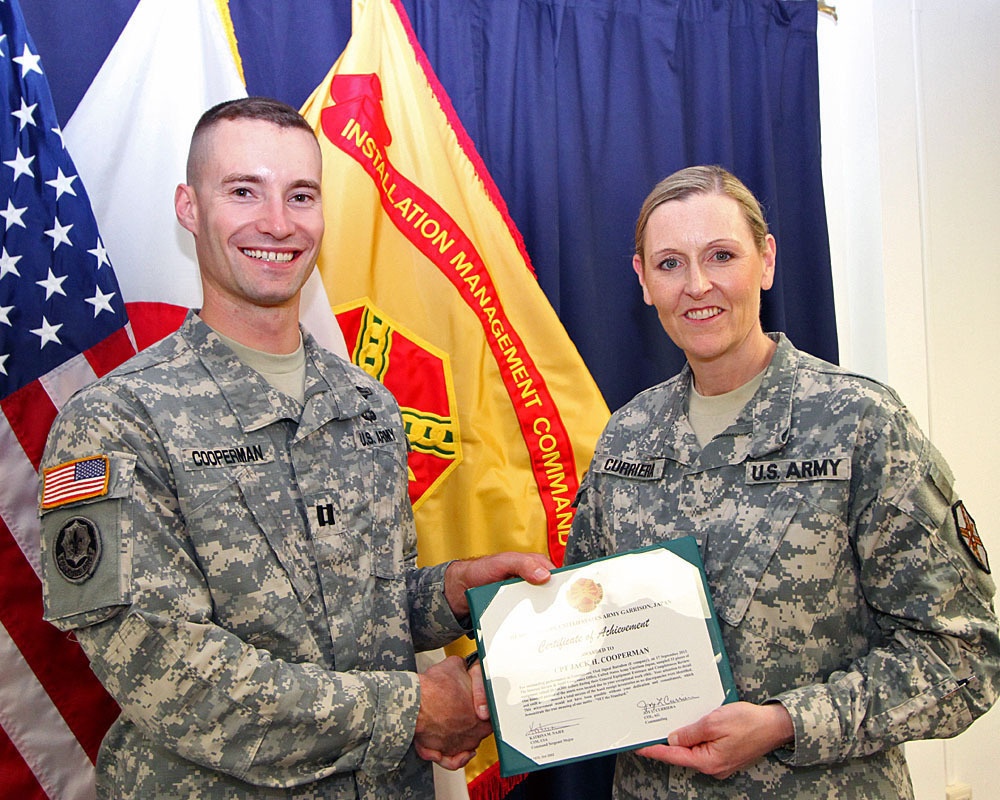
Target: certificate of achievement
[(608, 655)]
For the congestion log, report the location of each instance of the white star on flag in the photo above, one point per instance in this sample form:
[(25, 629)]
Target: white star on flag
[(62, 184), (52, 285), (59, 234), (21, 165), (101, 302), (101, 254), (28, 61), (13, 215), (8, 264), (47, 333), (26, 114)]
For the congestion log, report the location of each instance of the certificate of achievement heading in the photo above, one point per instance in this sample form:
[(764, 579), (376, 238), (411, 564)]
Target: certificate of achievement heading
[(608, 655)]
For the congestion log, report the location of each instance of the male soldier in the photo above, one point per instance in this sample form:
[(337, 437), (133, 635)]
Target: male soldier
[(226, 527)]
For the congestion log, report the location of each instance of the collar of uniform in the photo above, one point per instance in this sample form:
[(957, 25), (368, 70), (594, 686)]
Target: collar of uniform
[(772, 406), (331, 383), (246, 391), (667, 431), (331, 387)]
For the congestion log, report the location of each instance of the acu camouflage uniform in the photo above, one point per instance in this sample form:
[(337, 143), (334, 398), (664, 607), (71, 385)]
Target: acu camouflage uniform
[(827, 523), (256, 601)]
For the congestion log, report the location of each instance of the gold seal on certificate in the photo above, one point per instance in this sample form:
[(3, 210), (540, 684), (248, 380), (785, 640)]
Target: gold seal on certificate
[(606, 656)]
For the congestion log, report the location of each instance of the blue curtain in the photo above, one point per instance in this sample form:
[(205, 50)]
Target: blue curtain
[(577, 107)]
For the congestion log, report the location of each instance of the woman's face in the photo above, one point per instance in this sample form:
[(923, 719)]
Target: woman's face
[(704, 274)]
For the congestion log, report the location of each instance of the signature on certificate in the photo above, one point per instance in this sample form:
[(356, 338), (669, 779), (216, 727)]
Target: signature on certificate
[(652, 706), (542, 730)]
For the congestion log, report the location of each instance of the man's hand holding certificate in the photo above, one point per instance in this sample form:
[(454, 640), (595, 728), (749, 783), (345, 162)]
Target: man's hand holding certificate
[(606, 656)]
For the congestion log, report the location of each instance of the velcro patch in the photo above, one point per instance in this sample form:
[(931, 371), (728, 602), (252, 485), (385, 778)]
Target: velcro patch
[(969, 536), (75, 480)]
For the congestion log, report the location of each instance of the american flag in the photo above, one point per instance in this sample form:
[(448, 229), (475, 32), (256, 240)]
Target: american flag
[(76, 480), (62, 324)]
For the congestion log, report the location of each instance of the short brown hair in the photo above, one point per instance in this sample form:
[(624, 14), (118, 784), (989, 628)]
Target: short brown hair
[(264, 109)]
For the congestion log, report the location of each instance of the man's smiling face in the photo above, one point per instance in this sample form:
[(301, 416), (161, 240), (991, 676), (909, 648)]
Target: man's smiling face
[(255, 210)]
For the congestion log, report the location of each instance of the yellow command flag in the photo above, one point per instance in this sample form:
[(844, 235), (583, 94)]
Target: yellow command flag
[(436, 297)]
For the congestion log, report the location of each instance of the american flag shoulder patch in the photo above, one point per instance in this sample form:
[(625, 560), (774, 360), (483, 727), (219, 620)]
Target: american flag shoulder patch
[(75, 480)]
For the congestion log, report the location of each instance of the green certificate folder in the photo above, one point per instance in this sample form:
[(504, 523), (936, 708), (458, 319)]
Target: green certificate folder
[(609, 655)]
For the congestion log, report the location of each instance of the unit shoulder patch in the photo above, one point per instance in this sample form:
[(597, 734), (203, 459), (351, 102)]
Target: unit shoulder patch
[(77, 549), (969, 536)]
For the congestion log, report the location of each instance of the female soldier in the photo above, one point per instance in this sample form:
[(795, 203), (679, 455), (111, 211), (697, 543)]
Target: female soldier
[(851, 586)]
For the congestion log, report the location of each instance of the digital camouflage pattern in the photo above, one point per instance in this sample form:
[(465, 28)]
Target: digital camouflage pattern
[(825, 521), (256, 603)]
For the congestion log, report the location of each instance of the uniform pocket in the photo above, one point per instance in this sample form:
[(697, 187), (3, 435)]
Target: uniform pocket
[(252, 560), (356, 522), (86, 572), (796, 575)]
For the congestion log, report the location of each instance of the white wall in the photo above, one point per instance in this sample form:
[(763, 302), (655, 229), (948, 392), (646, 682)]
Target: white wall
[(909, 91)]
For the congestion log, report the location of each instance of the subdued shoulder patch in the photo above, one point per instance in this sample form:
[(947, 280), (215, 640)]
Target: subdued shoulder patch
[(75, 480), (77, 549), (969, 536)]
